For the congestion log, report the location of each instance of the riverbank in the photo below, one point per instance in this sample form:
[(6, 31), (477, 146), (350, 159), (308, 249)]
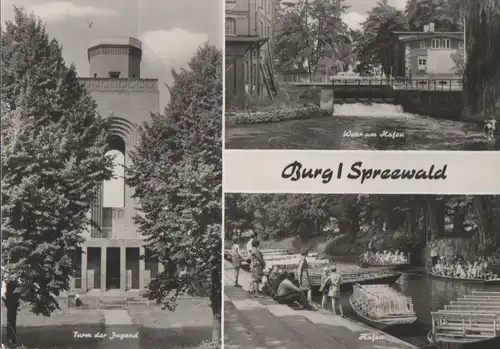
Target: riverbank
[(263, 323), (334, 132), (339, 247), (274, 115)]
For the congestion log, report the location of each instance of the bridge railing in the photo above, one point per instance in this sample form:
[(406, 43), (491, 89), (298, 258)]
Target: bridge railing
[(435, 84), (418, 84)]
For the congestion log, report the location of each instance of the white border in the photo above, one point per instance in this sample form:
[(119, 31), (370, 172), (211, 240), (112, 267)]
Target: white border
[(260, 171)]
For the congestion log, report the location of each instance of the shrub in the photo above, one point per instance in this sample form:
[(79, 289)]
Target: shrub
[(209, 345), (274, 115)]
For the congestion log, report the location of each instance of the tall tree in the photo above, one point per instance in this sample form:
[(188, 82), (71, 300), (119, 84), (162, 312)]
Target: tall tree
[(177, 176), (375, 47), (482, 71), (422, 12), (312, 35), (53, 159)]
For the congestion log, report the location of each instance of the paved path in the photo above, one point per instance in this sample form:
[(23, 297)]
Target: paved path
[(119, 323), (263, 323)]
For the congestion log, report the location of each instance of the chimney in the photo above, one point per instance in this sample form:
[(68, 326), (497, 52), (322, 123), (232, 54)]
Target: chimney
[(426, 28), (431, 26)]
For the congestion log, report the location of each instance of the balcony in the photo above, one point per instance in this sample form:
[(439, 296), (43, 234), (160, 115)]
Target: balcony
[(115, 233)]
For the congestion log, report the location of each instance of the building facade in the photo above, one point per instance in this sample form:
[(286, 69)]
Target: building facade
[(427, 54), (110, 258), (249, 46)]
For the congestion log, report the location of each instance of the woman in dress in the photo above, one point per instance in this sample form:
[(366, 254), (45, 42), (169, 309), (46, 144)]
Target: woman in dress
[(303, 274), (325, 287), (236, 258), (257, 267)]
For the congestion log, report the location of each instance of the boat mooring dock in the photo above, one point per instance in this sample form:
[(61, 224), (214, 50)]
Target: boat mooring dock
[(262, 323)]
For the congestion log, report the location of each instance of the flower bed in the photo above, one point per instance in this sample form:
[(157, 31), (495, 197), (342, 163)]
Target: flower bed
[(274, 115)]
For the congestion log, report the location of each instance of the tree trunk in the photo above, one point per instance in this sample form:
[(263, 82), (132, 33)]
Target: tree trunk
[(12, 305), (478, 203), (458, 222), (436, 218), (216, 324), (216, 304)]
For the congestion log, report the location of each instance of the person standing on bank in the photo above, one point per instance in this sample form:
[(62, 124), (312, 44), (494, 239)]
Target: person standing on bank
[(334, 293), (257, 267), (303, 274), (236, 258), (249, 243), (325, 287), (253, 236)]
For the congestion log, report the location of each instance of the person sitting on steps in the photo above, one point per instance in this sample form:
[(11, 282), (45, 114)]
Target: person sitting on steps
[(287, 293)]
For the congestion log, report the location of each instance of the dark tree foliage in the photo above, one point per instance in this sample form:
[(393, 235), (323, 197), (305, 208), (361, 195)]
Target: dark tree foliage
[(375, 46), (53, 159), (414, 218), (482, 71), (422, 12), (176, 173), (312, 35)]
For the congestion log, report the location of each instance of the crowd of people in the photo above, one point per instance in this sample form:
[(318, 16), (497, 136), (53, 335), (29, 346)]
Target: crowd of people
[(283, 285), (383, 258), (458, 268)]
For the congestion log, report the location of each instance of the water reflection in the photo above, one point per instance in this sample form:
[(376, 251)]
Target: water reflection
[(420, 132)]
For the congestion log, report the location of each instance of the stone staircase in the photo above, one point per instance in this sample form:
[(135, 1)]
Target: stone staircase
[(106, 300)]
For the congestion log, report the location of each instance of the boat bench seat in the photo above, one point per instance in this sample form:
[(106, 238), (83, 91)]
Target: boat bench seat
[(479, 328), (470, 336), (472, 307), (475, 301)]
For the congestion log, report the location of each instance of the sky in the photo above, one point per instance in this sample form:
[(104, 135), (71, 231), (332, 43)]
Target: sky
[(170, 30), (359, 8)]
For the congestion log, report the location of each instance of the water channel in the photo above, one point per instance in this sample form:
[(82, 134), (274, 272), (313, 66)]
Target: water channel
[(376, 123), (427, 295)]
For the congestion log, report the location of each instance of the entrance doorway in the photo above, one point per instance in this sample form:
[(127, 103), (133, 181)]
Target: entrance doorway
[(113, 268), (94, 268)]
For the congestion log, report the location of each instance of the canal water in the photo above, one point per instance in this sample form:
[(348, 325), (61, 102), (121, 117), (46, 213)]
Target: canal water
[(427, 295), (362, 127)]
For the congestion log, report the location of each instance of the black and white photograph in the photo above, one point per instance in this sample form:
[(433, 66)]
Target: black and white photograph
[(111, 174), (361, 271), (362, 74)]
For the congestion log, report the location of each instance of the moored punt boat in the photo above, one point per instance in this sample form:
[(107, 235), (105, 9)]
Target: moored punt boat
[(470, 319), (362, 278), (381, 306), (399, 267), (465, 280)]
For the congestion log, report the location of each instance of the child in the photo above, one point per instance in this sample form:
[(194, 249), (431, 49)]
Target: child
[(334, 293), (236, 258), (490, 127), (325, 287)]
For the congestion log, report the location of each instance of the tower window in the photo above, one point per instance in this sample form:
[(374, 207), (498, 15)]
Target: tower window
[(114, 74), (114, 189)]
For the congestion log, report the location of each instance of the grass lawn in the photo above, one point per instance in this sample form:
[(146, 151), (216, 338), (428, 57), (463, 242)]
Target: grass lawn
[(187, 327), (56, 331)]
